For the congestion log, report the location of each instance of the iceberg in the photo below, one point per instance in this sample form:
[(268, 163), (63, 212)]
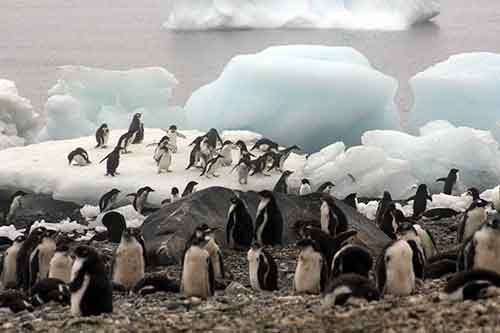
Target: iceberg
[(325, 14), (307, 94), (19, 123), (84, 98), (463, 90)]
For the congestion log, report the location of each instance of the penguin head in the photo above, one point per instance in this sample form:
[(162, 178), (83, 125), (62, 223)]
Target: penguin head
[(387, 195), (145, 189), (455, 171), (422, 188), (494, 224), (327, 186), (227, 143), (305, 181), (85, 252), (287, 173), (103, 126), (20, 239), (265, 194), (240, 144), (174, 191), (473, 192), (114, 191), (172, 128), (19, 194), (138, 115)]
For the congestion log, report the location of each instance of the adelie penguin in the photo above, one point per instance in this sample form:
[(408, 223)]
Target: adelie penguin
[(227, 153), (124, 141), (474, 217), (91, 291), (189, 189), (136, 128), (471, 285), (141, 198), (351, 259), (213, 138), (195, 155), (24, 256), (112, 161), (61, 263), (331, 218), (262, 269), (305, 187), (79, 156), (281, 157), (282, 186), (420, 200), (102, 136), (41, 256), (16, 202), (383, 205), (339, 290), (239, 228), (164, 157), (8, 275), (268, 220), (128, 264), (391, 220), (482, 250), (450, 181), (173, 134), (265, 145), (108, 200), (212, 166), (311, 272), (398, 267)]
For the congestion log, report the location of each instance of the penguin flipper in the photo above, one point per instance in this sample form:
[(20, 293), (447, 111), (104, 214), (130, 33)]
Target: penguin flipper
[(104, 159), (77, 282), (441, 180), (221, 263), (381, 273), (461, 229), (34, 268), (2, 259), (470, 255), (324, 273), (229, 228), (417, 259), (211, 276)]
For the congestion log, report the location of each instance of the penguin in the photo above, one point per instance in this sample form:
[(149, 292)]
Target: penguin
[(449, 181), (305, 187), (326, 187), (206, 152), (311, 272), (383, 205), (164, 157), (436, 269), (50, 290), (420, 235), (436, 214), (79, 156), (156, 282), (351, 259), (331, 219), (258, 165), (282, 156), (281, 186), (268, 220), (351, 200), (212, 166), (124, 141), (262, 269), (398, 266), (128, 264), (474, 217), (141, 198), (241, 145), (24, 255), (195, 155), (15, 301), (339, 290), (61, 263), (391, 220), (420, 200), (215, 254), (8, 274), (115, 225), (227, 153), (136, 129), (265, 145), (41, 256), (243, 171), (198, 278), (213, 138), (175, 196), (102, 136), (471, 285), (173, 134), (190, 188), (481, 251), (239, 227), (108, 200), (91, 291), (15, 202), (113, 161)]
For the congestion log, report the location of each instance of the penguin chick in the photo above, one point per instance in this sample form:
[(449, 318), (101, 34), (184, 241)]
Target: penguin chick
[(340, 289), (311, 271), (262, 269), (128, 265), (61, 264), (9, 263), (421, 236)]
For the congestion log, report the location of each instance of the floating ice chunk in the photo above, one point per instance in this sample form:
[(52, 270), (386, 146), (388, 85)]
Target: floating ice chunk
[(463, 90), (349, 14), (19, 123), (475, 153), (309, 96), (84, 98), (10, 232)]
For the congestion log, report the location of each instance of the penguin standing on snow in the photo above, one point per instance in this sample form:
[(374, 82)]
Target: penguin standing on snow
[(243, 167), (282, 157), (262, 269), (227, 153), (351, 259), (398, 267), (265, 145), (41, 256), (9, 264), (173, 134), (239, 227), (331, 220), (305, 187), (206, 152), (420, 200), (471, 285), (311, 272), (91, 291), (102, 136), (474, 217), (198, 278), (268, 220), (61, 263), (128, 263), (449, 181), (339, 290), (482, 249), (164, 157), (383, 205), (213, 138), (108, 200), (195, 155), (113, 161), (212, 166), (16, 202), (124, 141), (24, 255), (79, 156), (141, 198), (190, 188), (137, 129), (281, 186)]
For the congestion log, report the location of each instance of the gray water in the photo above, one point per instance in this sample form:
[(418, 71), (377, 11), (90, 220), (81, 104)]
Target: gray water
[(37, 36)]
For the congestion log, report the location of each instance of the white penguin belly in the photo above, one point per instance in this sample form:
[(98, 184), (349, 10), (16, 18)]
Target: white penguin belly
[(195, 273), (47, 250), (76, 297), (253, 267), (475, 219), (487, 252), (79, 160), (307, 276), (9, 270), (128, 269), (60, 267), (325, 217), (165, 161), (400, 278)]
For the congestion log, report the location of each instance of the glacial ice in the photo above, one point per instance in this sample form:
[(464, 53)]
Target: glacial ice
[(463, 90), (19, 123), (84, 98), (312, 95), (347, 14)]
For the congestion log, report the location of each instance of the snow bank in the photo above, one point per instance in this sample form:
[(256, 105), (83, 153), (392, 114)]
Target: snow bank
[(463, 89), (349, 14), (19, 123), (475, 153), (298, 94), (84, 98)]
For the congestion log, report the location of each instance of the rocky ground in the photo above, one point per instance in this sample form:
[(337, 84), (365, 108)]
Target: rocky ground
[(239, 309)]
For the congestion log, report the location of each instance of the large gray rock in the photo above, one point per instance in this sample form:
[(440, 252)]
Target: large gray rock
[(173, 224)]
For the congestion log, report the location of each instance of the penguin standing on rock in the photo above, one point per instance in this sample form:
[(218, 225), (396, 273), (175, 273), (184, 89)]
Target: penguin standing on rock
[(113, 161), (262, 269), (420, 235), (128, 264), (474, 217), (420, 200), (61, 263), (190, 188), (79, 156), (141, 198), (215, 253), (108, 200), (9, 264), (449, 181), (339, 290), (239, 228), (91, 291), (24, 255), (305, 187), (137, 129), (16, 202), (102, 136), (41, 256), (268, 221), (281, 186), (311, 272), (332, 221)]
